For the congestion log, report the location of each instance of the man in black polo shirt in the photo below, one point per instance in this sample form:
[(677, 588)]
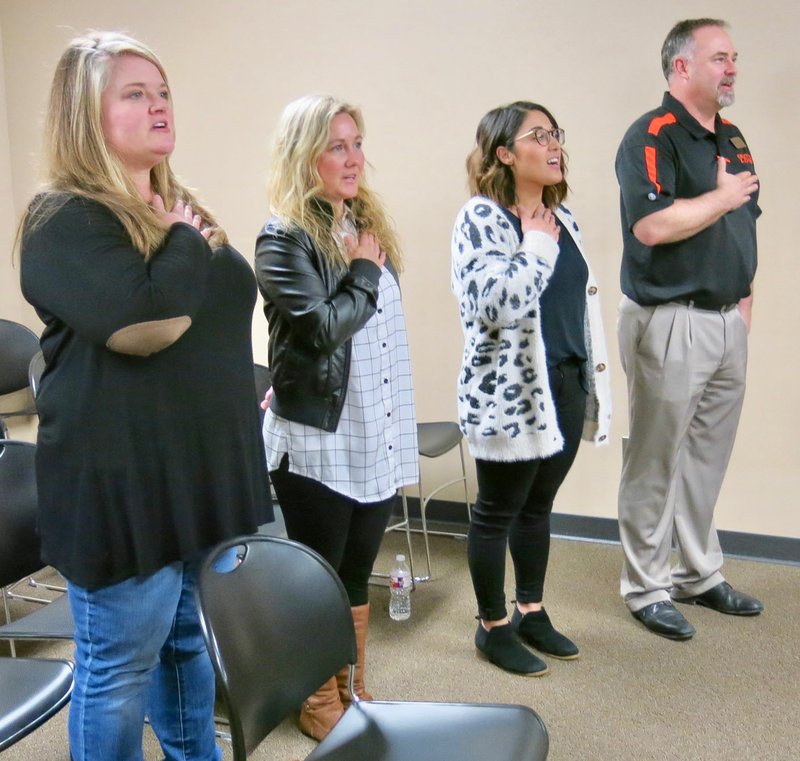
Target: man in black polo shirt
[(689, 203)]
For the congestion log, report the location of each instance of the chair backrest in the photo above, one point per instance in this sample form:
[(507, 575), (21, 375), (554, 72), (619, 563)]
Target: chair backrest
[(35, 370), (277, 625), (19, 540), (18, 344)]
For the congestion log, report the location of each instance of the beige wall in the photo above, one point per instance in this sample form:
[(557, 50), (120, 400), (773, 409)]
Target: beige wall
[(424, 72), (12, 305)]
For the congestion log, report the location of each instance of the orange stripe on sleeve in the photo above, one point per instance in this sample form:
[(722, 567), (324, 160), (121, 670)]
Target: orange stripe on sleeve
[(659, 122), (650, 163)]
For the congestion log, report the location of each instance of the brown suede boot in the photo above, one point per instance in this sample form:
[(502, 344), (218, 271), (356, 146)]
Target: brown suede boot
[(321, 711), (361, 624)]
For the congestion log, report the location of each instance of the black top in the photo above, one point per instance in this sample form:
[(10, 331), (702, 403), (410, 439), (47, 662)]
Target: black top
[(142, 460), (666, 154), (563, 302)]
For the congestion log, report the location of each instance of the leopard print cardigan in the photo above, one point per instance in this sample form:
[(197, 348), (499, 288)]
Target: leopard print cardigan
[(506, 410)]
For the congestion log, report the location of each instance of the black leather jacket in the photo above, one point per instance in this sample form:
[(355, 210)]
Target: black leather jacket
[(313, 310)]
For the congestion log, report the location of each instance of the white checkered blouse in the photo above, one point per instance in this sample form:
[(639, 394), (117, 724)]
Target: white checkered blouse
[(373, 451)]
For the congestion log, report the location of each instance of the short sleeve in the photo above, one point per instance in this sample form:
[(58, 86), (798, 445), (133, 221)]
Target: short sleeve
[(646, 174)]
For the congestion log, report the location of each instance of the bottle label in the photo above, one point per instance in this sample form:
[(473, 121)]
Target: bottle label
[(398, 582)]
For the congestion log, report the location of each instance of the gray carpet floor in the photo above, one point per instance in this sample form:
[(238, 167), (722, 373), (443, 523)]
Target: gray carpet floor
[(731, 693)]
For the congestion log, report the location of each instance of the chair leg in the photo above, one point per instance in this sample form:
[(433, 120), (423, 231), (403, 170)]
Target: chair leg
[(8, 621), (408, 530), (361, 624), (404, 525), (423, 506), (321, 711)]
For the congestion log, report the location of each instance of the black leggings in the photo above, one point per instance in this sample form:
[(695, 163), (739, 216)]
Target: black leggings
[(346, 533), (513, 508)]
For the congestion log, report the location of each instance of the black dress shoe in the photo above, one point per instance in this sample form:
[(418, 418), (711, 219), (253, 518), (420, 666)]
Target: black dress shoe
[(502, 646), (725, 599), (664, 619)]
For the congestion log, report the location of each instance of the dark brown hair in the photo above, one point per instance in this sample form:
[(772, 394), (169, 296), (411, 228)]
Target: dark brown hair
[(490, 177)]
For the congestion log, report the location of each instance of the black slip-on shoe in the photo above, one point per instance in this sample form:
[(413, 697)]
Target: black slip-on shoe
[(536, 630), (664, 619), (501, 646), (725, 599)]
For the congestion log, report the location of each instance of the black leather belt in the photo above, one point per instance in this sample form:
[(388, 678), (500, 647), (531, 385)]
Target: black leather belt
[(708, 306)]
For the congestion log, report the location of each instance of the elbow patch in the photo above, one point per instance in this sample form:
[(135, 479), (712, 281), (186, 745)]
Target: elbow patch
[(145, 338)]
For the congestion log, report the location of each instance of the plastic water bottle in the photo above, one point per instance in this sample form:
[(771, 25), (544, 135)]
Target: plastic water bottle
[(400, 583)]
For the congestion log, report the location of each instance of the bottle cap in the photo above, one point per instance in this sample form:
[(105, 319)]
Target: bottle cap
[(401, 558)]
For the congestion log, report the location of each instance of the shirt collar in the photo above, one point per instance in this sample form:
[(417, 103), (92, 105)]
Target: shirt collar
[(697, 130)]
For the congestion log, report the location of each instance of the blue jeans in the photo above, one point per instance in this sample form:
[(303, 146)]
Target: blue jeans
[(139, 651)]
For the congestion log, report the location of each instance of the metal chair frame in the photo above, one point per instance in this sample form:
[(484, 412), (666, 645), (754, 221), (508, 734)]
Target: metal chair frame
[(35, 369), (21, 548), (425, 500)]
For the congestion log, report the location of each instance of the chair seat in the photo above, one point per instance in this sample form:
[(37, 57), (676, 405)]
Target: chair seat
[(50, 621), (32, 691), (379, 731), (437, 438)]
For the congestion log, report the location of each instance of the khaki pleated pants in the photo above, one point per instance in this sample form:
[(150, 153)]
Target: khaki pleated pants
[(685, 369)]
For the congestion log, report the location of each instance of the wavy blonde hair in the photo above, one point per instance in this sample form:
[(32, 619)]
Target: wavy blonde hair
[(79, 161), (295, 186)]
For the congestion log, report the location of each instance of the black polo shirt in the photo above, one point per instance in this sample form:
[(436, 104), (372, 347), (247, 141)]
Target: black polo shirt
[(667, 154)]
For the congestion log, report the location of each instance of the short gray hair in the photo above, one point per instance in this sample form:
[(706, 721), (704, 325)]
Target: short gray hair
[(680, 40)]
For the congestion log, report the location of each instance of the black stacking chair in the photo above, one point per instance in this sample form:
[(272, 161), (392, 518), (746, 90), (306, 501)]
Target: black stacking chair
[(271, 649), (32, 691), (20, 548), (18, 344)]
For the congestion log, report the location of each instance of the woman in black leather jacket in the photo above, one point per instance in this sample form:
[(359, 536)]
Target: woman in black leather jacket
[(340, 431)]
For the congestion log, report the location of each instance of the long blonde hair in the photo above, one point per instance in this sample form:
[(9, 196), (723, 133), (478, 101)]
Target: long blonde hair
[(295, 187), (79, 161)]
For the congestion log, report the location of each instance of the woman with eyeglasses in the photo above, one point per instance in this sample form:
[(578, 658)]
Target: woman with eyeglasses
[(534, 375)]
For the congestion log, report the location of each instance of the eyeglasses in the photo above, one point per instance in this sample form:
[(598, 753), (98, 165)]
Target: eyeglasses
[(544, 136)]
